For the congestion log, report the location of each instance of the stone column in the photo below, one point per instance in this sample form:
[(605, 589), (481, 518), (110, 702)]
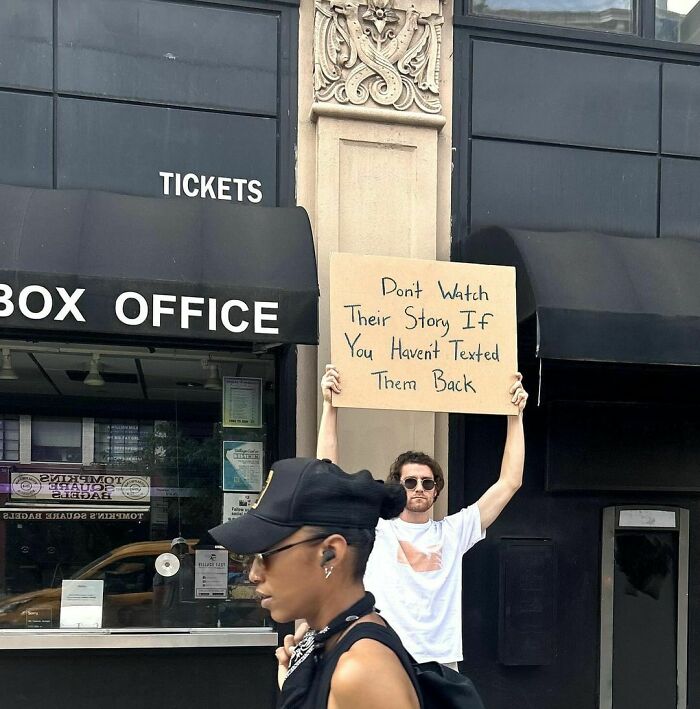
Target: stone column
[(373, 171)]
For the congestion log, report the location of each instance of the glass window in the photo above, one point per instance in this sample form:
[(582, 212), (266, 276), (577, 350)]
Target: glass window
[(26, 43), (58, 440), (164, 471), (27, 138), (645, 620), (121, 440), (678, 21), (9, 437), (124, 147), (606, 15), (170, 52)]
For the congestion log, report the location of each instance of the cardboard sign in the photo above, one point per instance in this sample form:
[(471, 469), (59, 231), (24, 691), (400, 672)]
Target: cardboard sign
[(423, 335)]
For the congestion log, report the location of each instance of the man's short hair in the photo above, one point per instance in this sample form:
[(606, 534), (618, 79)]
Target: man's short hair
[(420, 459)]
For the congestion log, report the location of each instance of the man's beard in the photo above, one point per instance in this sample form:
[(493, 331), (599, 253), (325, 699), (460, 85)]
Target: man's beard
[(419, 504)]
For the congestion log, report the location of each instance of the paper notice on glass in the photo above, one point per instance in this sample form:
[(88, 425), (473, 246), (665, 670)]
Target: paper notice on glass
[(38, 618), (242, 402), (81, 604), (236, 504), (210, 573), (243, 466)]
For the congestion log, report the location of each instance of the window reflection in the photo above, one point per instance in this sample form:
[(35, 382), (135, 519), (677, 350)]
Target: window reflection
[(57, 440), (121, 440), (678, 21), (646, 562), (98, 482), (645, 618), (606, 15)]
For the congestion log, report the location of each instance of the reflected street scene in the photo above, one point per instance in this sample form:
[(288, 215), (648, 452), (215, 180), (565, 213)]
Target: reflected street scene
[(123, 470), (606, 15)]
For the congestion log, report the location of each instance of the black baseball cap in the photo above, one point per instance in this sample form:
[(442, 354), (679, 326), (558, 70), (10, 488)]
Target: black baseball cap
[(308, 491)]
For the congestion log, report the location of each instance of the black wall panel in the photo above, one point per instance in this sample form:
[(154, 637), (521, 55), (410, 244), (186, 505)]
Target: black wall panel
[(559, 96), (527, 605), (216, 678), (680, 132), (622, 447), (26, 42), (169, 52), (123, 147), (27, 136), (680, 198), (549, 187)]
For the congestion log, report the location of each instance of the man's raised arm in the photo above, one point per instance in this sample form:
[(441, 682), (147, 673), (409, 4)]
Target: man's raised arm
[(492, 502), (327, 444)]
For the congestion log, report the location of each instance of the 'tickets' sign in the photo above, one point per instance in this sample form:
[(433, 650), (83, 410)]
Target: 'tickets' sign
[(80, 487), (423, 335)]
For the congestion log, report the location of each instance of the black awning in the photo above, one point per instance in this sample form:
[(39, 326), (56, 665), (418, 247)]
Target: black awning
[(227, 272), (602, 298)]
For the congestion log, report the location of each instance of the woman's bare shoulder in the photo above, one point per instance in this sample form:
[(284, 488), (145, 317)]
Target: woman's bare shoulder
[(370, 675)]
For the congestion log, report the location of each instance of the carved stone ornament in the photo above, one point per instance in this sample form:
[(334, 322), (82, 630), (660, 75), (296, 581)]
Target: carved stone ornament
[(372, 52)]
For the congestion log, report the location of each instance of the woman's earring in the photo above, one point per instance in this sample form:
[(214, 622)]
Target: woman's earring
[(328, 570)]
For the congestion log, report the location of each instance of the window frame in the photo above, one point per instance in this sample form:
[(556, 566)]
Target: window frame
[(611, 524), (644, 20), (3, 446), (79, 420)]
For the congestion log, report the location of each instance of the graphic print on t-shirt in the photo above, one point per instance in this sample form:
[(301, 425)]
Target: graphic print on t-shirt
[(420, 560)]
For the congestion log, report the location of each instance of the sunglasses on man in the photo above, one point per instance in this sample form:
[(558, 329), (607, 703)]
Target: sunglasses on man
[(411, 483)]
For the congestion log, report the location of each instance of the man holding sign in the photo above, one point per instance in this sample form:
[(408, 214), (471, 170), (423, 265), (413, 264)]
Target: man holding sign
[(415, 569)]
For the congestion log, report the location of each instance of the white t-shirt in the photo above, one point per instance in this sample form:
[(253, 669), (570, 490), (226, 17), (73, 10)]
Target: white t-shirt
[(415, 574)]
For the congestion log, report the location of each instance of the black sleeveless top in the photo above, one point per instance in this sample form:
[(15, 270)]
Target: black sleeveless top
[(321, 686)]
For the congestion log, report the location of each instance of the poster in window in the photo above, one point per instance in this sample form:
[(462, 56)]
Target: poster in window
[(243, 466), (211, 573), (236, 504), (242, 402)]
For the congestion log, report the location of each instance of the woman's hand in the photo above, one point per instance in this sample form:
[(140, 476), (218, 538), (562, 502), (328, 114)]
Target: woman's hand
[(284, 652)]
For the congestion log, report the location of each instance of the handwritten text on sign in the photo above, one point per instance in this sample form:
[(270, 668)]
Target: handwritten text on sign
[(423, 335)]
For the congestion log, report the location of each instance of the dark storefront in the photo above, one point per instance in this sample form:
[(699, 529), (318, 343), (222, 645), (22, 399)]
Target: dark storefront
[(581, 145), (154, 281)]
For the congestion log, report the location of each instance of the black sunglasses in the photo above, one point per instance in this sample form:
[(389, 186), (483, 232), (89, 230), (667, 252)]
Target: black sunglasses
[(411, 483), (261, 556)]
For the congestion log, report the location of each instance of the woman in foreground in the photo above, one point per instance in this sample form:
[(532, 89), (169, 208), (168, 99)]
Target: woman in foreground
[(312, 531)]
